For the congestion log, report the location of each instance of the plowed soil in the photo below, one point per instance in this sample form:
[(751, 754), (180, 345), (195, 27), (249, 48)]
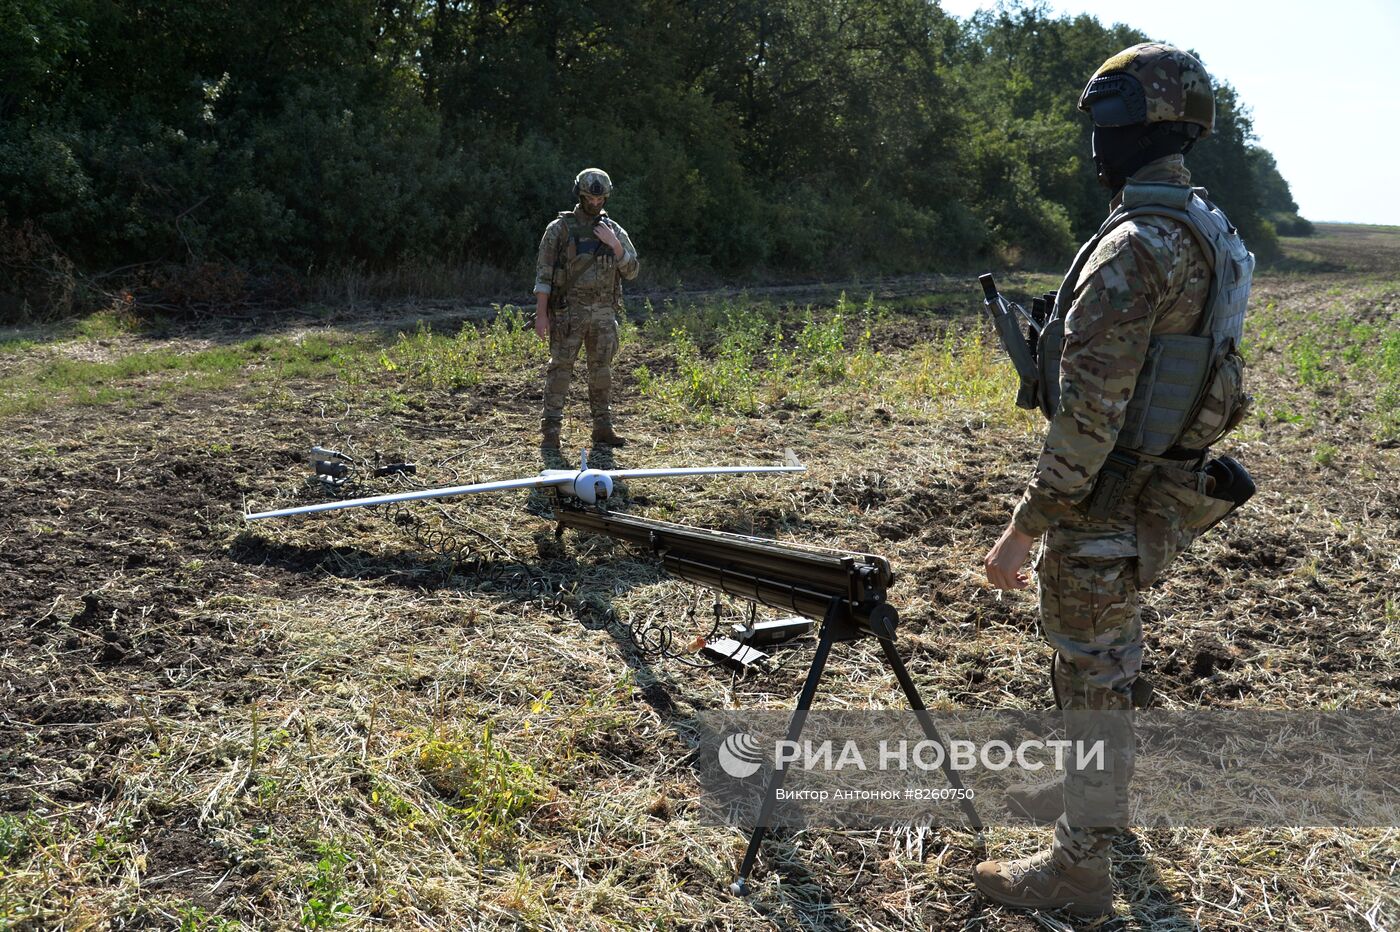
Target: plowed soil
[(206, 722)]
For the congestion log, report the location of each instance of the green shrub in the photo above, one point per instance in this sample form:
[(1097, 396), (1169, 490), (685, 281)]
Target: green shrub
[(487, 789)]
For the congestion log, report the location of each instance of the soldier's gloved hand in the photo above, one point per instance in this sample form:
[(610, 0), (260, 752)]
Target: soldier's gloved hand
[(609, 238), (1006, 558)]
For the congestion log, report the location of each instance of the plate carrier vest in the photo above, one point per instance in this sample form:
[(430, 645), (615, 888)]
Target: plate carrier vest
[(1181, 368), (582, 242)]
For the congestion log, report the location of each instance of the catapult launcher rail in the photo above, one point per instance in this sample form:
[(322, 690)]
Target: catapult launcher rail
[(844, 590)]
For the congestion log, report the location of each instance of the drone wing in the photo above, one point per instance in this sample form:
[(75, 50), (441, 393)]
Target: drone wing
[(591, 485), (534, 482)]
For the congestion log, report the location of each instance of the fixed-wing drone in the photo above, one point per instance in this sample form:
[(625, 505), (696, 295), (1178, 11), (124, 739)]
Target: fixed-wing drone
[(588, 485)]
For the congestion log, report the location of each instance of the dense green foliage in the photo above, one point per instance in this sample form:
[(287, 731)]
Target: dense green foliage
[(1275, 199), (745, 135)]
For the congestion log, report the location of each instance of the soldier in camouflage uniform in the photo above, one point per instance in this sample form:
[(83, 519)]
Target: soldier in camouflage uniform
[(584, 256), (1147, 277)]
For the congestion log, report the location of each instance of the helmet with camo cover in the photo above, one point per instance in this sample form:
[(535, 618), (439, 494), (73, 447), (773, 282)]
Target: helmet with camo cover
[(1151, 83), (593, 181)]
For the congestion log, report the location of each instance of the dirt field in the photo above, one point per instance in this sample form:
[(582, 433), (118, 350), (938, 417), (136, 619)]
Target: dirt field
[(435, 718)]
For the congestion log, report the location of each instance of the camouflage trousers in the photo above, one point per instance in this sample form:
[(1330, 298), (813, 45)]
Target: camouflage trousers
[(593, 327), (1089, 613)]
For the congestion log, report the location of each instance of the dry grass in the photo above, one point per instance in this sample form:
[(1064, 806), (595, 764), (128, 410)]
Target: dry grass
[(322, 723)]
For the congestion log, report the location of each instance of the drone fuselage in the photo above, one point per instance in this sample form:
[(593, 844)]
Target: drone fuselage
[(587, 485)]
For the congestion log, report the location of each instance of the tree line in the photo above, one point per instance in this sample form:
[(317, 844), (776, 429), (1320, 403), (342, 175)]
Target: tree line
[(814, 137)]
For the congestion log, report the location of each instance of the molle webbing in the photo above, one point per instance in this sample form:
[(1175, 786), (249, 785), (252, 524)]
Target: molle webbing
[(1179, 367), (582, 242), (1167, 392), (581, 236)]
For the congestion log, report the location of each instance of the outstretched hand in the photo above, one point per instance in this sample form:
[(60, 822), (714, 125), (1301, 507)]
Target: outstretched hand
[(1006, 559)]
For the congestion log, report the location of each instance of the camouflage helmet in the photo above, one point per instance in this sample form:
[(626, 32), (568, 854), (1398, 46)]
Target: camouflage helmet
[(593, 181), (1151, 83)]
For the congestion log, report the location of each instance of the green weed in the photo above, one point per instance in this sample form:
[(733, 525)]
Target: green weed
[(1261, 331), (63, 380), (488, 790), (736, 359), (107, 325), (1306, 356), (16, 837), (325, 890), (395, 806), (726, 382), (960, 367), (1384, 365), (821, 347), (195, 919), (505, 344)]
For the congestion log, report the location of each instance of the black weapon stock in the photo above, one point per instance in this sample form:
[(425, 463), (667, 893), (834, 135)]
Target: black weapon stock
[(1020, 345)]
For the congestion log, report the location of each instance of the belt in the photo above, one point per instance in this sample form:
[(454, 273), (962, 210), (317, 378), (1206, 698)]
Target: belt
[(1118, 471)]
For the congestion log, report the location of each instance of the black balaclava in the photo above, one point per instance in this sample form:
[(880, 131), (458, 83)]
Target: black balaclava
[(1119, 151)]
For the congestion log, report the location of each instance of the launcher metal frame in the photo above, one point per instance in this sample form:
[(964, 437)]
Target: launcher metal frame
[(844, 590)]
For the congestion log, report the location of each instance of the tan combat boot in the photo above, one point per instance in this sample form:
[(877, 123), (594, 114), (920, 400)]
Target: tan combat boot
[(1041, 882), (1041, 803), (603, 433)]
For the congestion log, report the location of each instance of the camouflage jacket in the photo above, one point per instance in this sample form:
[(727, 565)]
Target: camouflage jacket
[(1149, 276), (599, 282)]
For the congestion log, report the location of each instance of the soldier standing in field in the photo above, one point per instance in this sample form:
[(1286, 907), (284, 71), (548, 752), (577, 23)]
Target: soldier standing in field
[(584, 256), (1139, 375)]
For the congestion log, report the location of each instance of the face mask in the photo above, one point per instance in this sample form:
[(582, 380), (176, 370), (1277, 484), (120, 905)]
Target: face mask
[(1114, 147), (1119, 151)]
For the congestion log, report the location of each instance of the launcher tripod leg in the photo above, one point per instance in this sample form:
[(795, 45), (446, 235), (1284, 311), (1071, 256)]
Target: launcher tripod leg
[(740, 886), (917, 704)]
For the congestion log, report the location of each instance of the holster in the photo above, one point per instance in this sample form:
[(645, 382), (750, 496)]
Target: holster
[(1110, 485), (1176, 507), (1229, 480)]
